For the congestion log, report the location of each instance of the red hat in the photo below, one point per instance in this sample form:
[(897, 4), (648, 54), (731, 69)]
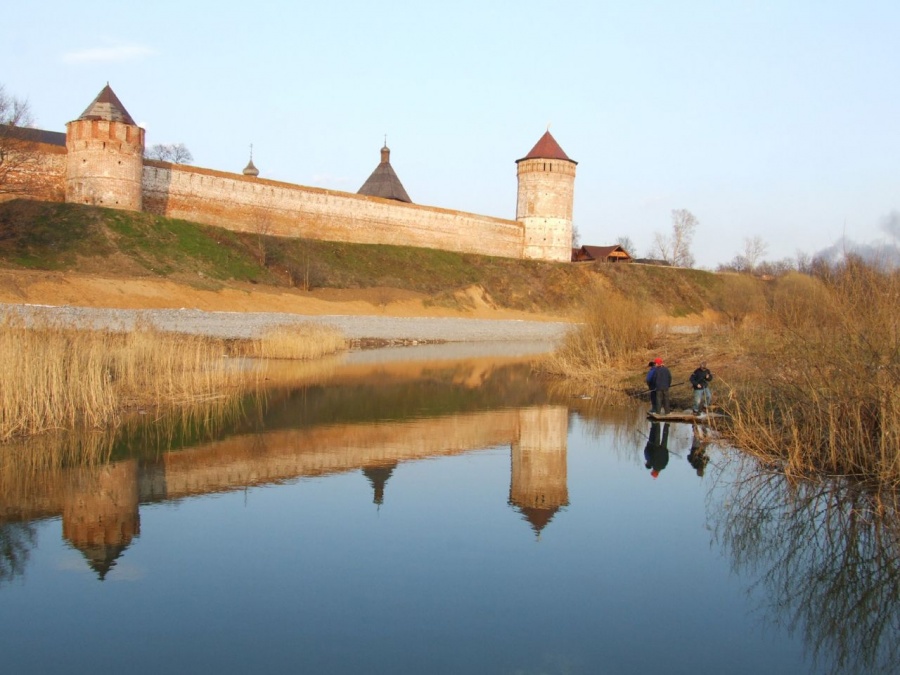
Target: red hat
[(654, 473), (658, 361)]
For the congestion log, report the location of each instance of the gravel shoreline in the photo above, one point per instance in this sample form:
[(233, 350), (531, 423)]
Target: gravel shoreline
[(359, 329)]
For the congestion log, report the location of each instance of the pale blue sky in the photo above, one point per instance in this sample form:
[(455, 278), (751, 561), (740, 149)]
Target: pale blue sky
[(771, 119)]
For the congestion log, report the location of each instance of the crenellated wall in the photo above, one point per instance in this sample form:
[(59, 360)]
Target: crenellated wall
[(105, 163), (40, 174), (100, 161), (249, 204)]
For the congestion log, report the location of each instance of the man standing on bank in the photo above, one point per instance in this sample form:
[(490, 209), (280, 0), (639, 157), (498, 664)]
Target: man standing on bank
[(662, 380), (700, 380), (651, 371)]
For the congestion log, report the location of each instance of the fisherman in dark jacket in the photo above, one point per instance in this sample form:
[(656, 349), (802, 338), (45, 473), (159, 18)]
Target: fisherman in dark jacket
[(650, 372), (700, 380), (662, 380)]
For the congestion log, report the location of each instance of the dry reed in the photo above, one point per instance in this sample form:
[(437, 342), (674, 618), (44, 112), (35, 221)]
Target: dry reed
[(615, 329), (825, 397), (297, 342), (56, 377)]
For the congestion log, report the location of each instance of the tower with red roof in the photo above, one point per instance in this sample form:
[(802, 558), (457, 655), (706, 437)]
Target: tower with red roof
[(545, 198), (105, 160)]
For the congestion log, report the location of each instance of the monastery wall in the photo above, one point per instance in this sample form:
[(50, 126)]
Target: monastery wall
[(249, 204), (38, 175)]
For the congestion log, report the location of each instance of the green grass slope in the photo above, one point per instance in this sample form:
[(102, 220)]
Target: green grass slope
[(72, 237)]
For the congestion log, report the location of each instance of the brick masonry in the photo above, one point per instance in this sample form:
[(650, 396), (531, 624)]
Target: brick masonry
[(103, 164)]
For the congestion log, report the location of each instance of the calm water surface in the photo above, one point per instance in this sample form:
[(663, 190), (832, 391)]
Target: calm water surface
[(429, 516)]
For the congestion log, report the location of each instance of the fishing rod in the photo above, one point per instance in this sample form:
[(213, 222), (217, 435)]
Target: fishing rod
[(651, 391), (627, 392)]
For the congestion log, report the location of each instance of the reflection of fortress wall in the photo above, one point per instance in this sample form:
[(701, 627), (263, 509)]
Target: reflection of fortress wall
[(539, 483), (240, 461), (100, 513), (100, 504), (237, 462)]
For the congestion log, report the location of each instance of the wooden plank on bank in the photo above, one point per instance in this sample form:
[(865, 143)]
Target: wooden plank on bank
[(686, 416)]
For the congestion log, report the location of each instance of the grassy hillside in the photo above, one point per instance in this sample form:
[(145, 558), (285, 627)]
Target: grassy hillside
[(71, 237)]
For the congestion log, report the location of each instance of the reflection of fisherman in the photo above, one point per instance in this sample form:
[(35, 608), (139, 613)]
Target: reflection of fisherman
[(697, 457), (656, 454)]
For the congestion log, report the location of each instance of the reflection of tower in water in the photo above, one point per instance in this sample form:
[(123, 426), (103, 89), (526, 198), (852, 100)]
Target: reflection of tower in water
[(378, 477), (100, 514), (539, 482)]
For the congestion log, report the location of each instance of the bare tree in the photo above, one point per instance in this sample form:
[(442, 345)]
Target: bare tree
[(176, 153), (626, 243), (737, 264), (18, 150), (576, 236), (261, 222), (754, 250), (676, 247)]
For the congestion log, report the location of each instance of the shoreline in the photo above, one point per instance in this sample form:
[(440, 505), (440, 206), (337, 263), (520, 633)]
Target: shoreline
[(365, 330)]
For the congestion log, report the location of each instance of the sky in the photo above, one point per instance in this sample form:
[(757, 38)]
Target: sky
[(773, 119)]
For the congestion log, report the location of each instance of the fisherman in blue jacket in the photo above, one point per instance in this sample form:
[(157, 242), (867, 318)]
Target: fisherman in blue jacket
[(650, 386), (662, 380)]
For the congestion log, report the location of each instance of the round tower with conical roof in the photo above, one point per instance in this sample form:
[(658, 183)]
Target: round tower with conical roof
[(105, 155), (546, 194)]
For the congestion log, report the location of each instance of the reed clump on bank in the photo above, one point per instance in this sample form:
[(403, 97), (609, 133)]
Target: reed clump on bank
[(615, 328), (825, 394), (295, 342)]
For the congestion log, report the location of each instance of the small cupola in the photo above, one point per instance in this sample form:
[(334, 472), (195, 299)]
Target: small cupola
[(250, 169)]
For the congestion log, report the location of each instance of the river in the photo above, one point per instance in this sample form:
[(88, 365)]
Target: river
[(431, 511)]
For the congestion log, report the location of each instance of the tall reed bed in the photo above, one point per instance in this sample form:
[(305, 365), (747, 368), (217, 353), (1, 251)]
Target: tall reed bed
[(55, 377), (614, 329), (826, 393), (58, 377)]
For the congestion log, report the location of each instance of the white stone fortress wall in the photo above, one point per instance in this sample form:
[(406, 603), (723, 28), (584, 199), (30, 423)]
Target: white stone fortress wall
[(248, 204), (104, 166)]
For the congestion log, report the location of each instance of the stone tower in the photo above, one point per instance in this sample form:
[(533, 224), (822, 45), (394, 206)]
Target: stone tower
[(384, 182), (544, 205), (105, 160)]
